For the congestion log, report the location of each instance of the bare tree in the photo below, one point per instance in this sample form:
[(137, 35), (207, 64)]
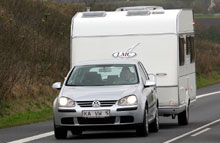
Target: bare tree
[(211, 6)]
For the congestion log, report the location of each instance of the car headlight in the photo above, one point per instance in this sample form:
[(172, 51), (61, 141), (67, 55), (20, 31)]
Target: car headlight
[(128, 100), (64, 101)]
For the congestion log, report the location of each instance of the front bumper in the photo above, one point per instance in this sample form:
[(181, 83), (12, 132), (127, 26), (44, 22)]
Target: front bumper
[(119, 116)]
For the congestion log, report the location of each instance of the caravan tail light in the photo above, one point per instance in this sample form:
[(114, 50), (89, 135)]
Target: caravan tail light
[(171, 102)]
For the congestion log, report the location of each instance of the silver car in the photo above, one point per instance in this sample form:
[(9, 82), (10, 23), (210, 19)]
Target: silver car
[(106, 94)]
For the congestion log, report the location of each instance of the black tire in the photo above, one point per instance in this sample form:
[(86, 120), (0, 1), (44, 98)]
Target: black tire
[(183, 117), (76, 132), (142, 130), (59, 132), (154, 126)]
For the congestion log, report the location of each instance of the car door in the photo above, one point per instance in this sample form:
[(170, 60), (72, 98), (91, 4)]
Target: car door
[(153, 94), (147, 91)]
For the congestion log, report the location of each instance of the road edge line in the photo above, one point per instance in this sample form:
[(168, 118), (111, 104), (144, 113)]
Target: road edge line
[(207, 94), (32, 138)]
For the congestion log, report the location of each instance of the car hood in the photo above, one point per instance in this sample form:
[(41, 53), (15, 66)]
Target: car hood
[(98, 92)]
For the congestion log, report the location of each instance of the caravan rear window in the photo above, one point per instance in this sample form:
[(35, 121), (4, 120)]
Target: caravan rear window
[(181, 52)]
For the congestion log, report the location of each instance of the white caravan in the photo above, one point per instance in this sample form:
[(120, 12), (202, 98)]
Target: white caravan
[(163, 40)]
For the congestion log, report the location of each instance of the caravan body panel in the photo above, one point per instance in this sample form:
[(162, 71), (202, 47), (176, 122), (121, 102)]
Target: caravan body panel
[(157, 36), (152, 53)]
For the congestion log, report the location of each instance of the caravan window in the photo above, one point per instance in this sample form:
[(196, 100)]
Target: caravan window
[(188, 45), (192, 50), (181, 52)]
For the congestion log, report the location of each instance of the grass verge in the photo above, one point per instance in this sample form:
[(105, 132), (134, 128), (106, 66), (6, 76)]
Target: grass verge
[(206, 80), (26, 118), (23, 110), (197, 15)]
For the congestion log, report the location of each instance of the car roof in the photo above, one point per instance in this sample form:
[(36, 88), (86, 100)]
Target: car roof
[(112, 61)]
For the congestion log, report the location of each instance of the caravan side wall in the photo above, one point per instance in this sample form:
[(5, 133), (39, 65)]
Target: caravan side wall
[(186, 72)]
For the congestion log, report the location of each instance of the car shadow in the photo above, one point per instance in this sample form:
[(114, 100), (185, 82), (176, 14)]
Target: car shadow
[(169, 126), (105, 135)]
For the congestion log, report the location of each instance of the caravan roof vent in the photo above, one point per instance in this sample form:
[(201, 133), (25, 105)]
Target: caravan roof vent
[(138, 13), (94, 14), (139, 8), (158, 12)]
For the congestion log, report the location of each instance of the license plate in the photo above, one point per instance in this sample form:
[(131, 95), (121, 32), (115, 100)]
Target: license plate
[(96, 114)]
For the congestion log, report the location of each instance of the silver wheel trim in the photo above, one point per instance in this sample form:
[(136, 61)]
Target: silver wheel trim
[(146, 121), (157, 119), (187, 112)]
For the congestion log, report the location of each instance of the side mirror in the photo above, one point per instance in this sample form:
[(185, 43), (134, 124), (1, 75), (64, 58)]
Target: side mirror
[(149, 83), (152, 77), (57, 85)]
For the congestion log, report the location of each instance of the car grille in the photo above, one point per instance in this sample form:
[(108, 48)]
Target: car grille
[(107, 120), (103, 103)]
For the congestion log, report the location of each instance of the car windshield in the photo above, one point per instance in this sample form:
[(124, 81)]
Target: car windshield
[(101, 75)]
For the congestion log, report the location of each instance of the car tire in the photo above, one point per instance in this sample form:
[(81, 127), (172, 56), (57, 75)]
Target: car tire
[(142, 130), (76, 132), (154, 126), (183, 117), (59, 132)]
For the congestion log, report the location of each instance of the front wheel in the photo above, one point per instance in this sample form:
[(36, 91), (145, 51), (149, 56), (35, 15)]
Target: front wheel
[(59, 132), (154, 126), (142, 130), (183, 117)]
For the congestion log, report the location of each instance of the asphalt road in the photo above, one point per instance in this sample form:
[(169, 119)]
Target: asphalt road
[(204, 127)]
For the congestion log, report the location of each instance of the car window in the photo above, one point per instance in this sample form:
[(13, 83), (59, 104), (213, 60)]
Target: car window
[(98, 75), (145, 72), (143, 77)]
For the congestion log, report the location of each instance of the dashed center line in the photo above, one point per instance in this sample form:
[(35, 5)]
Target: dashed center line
[(191, 132), (202, 131)]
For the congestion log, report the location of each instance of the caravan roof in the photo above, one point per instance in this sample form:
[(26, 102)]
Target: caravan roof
[(131, 22)]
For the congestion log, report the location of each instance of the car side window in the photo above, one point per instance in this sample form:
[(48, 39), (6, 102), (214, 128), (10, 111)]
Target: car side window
[(145, 72), (143, 77)]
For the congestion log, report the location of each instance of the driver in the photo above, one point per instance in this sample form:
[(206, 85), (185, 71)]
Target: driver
[(126, 74)]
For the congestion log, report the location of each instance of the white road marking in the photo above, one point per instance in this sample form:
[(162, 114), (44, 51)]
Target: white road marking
[(28, 139), (193, 131), (200, 132), (208, 94)]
